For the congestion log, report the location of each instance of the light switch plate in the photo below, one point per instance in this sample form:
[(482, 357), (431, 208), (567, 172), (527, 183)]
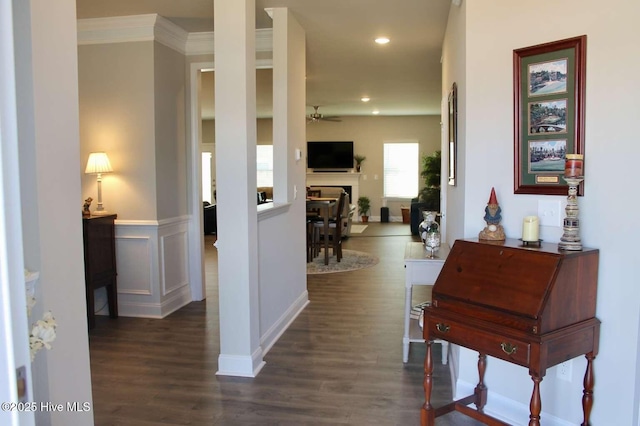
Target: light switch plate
[(550, 212)]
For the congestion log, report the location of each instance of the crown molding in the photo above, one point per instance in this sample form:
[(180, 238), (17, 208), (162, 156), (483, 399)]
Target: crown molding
[(264, 40), (153, 27), (126, 29), (120, 29), (200, 43), (171, 35)]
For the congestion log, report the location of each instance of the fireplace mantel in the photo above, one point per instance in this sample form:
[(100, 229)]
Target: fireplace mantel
[(337, 179)]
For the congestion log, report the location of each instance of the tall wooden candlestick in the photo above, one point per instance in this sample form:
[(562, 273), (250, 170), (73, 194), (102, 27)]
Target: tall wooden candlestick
[(570, 240)]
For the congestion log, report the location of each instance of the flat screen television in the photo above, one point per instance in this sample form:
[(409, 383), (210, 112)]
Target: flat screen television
[(330, 155)]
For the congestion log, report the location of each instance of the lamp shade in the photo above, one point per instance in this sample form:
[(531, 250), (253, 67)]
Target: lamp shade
[(98, 163)]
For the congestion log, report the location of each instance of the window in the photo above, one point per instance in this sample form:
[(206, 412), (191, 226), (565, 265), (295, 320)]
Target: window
[(401, 170), (264, 159), (208, 181)]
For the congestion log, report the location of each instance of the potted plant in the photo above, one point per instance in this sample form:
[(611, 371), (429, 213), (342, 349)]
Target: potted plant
[(364, 205), (359, 159), (430, 194)]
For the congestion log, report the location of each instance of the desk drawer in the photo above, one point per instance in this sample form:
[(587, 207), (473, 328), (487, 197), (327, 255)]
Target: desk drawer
[(484, 341)]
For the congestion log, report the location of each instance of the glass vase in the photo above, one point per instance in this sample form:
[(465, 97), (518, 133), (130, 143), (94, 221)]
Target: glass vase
[(429, 231)]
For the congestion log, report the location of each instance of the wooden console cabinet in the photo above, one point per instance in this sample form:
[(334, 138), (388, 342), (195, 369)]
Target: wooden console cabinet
[(100, 262), (531, 306)]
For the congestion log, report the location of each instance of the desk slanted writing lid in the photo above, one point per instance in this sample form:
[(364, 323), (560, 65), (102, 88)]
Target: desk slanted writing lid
[(544, 287)]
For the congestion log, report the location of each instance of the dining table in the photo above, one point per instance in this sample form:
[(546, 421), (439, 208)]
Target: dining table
[(324, 206)]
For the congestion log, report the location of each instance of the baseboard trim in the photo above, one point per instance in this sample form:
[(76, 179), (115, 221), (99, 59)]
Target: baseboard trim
[(271, 336), (127, 308), (139, 309), (239, 365), (506, 409), (180, 298)]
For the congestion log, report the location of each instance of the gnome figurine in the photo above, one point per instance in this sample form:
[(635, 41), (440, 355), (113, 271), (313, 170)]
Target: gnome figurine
[(493, 231)]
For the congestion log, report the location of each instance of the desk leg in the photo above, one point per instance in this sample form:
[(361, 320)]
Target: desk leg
[(112, 298), (407, 322), (427, 413), (480, 391), (535, 406), (91, 316), (587, 395)]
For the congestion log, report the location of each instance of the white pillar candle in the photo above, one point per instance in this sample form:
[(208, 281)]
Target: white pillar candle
[(530, 228)]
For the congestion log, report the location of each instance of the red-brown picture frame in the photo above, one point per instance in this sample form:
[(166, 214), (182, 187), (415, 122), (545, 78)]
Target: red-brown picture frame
[(543, 74)]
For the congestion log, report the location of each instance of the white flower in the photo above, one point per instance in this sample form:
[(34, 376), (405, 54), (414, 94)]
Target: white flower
[(42, 334), (49, 319)]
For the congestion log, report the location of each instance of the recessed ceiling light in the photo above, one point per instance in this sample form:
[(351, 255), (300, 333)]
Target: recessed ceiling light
[(382, 40), (375, 112), (365, 99)]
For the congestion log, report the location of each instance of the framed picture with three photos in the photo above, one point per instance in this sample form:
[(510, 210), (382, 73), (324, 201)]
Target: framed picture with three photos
[(548, 102)]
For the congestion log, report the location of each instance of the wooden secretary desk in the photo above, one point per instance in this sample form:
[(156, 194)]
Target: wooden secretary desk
[(531, 306), (100, 262)]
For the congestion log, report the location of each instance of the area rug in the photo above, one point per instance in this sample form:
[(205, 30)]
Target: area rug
[(351, 260), (358, 229)]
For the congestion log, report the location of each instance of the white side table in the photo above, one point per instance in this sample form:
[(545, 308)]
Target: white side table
[(420, 270)]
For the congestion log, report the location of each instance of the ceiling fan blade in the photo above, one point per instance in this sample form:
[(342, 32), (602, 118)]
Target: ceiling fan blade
[(316, 116)]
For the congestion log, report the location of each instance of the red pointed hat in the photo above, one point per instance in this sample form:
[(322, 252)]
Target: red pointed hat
[(493, 199)]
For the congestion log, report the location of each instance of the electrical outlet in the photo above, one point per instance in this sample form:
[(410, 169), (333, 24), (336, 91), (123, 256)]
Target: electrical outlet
[(549, 212), (564, 371)]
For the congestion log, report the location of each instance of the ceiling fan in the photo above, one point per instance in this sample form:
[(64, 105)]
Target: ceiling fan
[(316, 116)]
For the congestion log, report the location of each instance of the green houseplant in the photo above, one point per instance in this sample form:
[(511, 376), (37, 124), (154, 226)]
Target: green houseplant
[(364, 205), (359, 159), (430, 194)]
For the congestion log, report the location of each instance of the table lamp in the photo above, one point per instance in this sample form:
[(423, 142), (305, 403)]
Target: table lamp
[(98, 163)]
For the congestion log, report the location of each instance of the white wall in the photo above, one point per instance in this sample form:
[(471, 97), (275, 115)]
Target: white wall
[(235, 96), (57, 159), (493, 30), (14, 328), (454, 71), (169, 106), (282, 237), (117, 115)]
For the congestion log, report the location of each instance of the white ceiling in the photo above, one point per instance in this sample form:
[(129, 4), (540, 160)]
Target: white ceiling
[(343, 63)]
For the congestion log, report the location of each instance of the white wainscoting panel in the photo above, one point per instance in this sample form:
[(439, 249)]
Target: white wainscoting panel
[(173, 250), (133, 259), (153, 272)]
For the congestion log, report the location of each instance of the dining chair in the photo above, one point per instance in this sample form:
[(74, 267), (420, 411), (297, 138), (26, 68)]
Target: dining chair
[(335, 231), (313, 214)]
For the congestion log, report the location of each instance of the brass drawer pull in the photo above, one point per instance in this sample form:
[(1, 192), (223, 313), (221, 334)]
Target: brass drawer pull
[(508, 348), (442, 328)]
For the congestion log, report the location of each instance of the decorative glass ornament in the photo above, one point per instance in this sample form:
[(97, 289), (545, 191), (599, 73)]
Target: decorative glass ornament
[(430, 232)]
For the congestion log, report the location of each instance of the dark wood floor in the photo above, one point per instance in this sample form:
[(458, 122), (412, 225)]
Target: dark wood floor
[(340, 362)]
